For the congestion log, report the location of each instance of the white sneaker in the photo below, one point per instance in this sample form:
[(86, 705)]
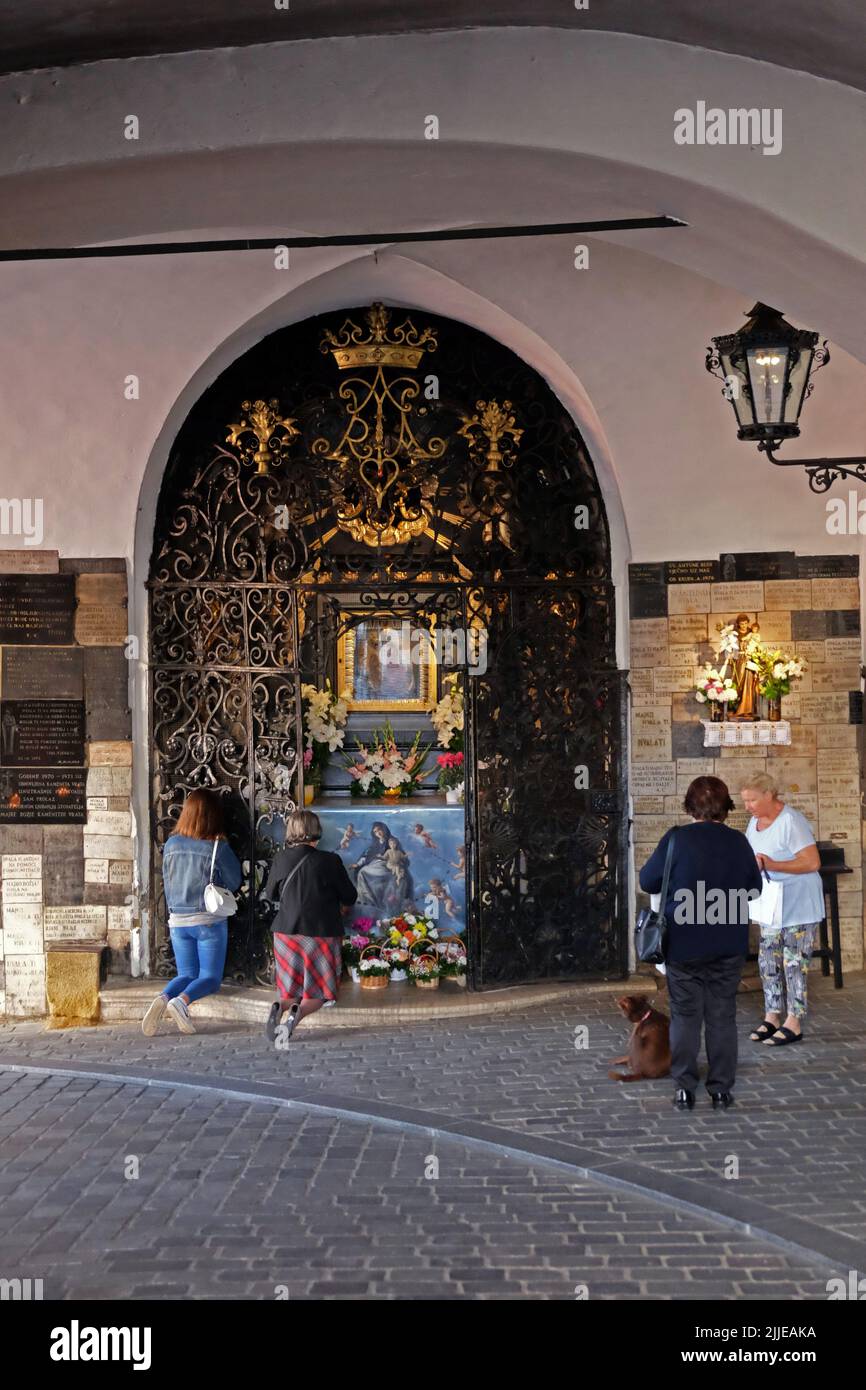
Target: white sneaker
[(179, 1011), (152, 1017)]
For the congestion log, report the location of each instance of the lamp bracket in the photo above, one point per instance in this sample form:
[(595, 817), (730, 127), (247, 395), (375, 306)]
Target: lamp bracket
[(822, 472)]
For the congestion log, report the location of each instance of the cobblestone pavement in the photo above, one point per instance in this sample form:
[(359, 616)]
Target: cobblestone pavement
[(798, 1135), (251, 1201)]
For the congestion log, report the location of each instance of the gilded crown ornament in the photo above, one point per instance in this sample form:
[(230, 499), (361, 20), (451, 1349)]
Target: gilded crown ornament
[(262, 421), (383, 485), (493, 434), (403, 347)]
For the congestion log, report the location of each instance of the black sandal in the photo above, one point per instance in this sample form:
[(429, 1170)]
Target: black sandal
[(764, 1030), (789, 1037)]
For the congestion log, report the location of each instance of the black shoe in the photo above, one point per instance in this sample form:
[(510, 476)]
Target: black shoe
[(684, 1100), (722, 1100), (273, 1020)]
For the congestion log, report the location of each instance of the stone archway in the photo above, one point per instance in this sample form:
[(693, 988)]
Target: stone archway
[(491, 517)]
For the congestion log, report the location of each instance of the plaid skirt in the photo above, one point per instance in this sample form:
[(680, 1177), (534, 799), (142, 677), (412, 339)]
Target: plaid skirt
[(307, 967)]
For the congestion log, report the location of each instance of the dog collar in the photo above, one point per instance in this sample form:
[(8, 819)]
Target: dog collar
[(645, 1017)]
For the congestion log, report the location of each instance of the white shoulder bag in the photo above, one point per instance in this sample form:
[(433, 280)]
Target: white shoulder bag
[(216, 899)]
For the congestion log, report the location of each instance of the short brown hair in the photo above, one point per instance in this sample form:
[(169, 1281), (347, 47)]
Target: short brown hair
[(202, 816), (302, 826), (708, 798)]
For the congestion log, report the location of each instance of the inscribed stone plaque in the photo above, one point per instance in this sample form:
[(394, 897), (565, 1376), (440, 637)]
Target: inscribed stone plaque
[(22, 866), (692, 767), (832, 760), (842, 649), (648, 643), (109, 781), (834, 676), (687, 741), (796, 774), (691, 572), (758, 564), (42, 673), (648, 830), (824, 709), (96, 871), (652, 574), (836, 736), (108, 823), (815, 651), (49, 796), (109, 754), (120, 919), (107, 847), (97, 803), (775, 627), (648, 602), (838, 784), (41, 733), (120, 873), (641, 683), (688, 654), (792, 707), (855, 706), (808, 625), (75, 923), (25, 985), (745, 598), (843, 622), (98, 625), (805, 802), (804, 739), (827, 566), (649, 805), (687, 627), (108, 590), (839, 820), (651, 735), (29, 561), (37, 610), (835, 593), (685, 709), (787, 594), (22, 890), (669, 680), (689, 598), (22, 929), (653, 779)]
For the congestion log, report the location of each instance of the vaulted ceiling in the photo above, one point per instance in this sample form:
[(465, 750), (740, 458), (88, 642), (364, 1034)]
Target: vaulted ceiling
[(826, 39)]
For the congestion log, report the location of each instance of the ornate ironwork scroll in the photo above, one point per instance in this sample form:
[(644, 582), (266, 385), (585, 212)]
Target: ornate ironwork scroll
[(355, 481)]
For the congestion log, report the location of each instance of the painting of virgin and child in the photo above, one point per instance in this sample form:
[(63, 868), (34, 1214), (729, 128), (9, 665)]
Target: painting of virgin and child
[(403, 864)]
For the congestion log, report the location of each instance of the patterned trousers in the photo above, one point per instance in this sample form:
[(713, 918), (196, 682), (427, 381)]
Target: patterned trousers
[(785, 951)]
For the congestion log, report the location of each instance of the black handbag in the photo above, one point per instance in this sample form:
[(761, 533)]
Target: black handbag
[(651, 928)]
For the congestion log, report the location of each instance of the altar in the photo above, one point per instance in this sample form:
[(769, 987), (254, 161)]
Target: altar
[(405, 855)]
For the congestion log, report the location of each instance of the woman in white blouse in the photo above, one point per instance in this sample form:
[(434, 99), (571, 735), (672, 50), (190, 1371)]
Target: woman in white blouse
[(785, 847)]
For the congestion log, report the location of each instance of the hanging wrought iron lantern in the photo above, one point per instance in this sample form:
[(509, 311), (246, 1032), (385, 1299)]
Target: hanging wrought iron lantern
[(767, 368)]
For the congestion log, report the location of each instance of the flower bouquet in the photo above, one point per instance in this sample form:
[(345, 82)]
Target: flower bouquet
[(715, 688), (776, 672), (447, 718), (324, 718), (398, 959), (451, 775), (408, 930), (382, 770)]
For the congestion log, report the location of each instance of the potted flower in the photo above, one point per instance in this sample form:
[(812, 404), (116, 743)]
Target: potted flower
[(715, 689), (357, 941), (381, 770), (324, 719), (451, 776), (777, 670), (374, 970)]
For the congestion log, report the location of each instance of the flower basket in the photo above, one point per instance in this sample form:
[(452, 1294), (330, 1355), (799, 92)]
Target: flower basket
[(398, 960), (425, 970), (452, 960), (377, 974)]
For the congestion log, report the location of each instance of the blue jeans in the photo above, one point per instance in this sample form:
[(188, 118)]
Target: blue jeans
[(200, 954)]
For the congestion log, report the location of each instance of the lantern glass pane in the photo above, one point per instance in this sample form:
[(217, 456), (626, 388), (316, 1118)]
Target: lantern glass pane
[(798, 381), (735, 383), (768, 366)]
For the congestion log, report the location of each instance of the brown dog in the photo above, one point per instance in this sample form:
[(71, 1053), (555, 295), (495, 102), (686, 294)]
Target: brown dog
[(649, 1049)]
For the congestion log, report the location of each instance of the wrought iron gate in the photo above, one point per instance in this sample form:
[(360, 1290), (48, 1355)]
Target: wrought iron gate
[(339, 495)]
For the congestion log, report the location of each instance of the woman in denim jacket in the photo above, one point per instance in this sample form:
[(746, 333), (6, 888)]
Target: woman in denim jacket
[(198, 937)]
